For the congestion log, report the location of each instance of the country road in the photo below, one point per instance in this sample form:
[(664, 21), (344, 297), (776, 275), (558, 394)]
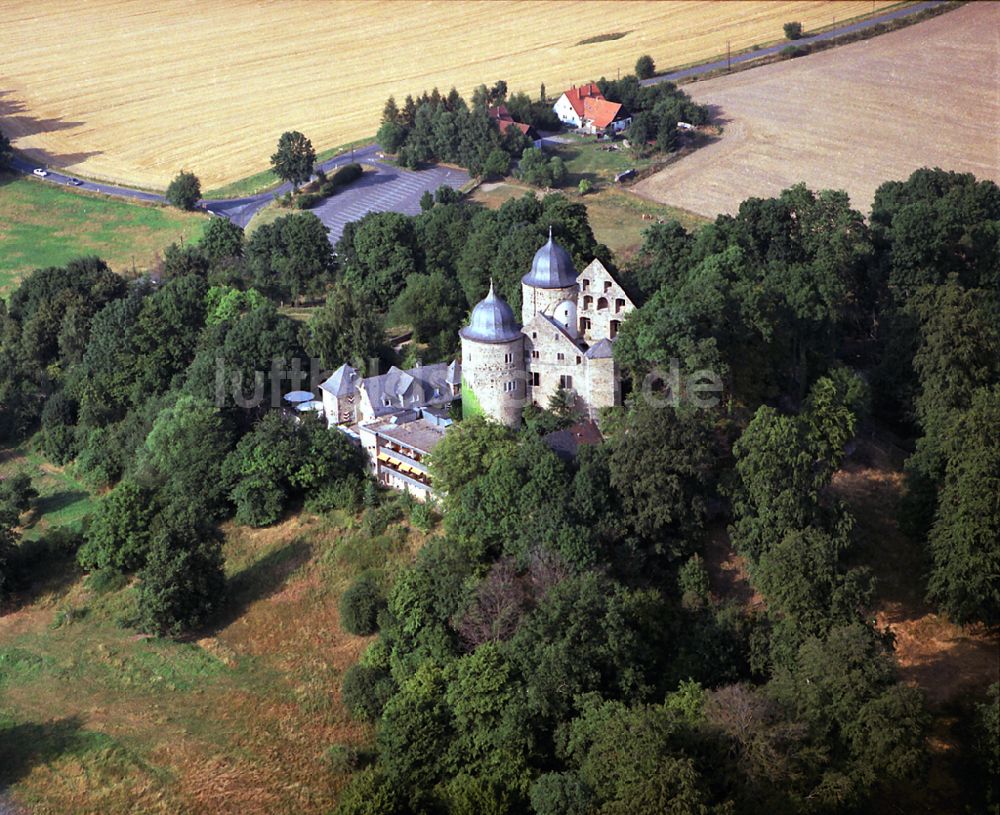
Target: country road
[(707, 67), (388, 188)]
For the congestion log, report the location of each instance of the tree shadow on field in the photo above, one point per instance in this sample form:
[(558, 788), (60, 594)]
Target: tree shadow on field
[(24, 746), (16, 123), (259, 580), (717, 116)]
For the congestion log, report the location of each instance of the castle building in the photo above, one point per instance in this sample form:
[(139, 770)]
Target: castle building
[(562, 343)]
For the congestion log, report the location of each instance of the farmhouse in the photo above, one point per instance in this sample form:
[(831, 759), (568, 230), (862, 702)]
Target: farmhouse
[(586, 108)]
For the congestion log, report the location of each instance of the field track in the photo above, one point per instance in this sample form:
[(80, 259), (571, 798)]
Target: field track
[(850, 118), (130, 92)]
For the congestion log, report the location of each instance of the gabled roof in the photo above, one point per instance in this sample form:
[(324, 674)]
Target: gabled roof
[(416, 387), (600, 111), (544, 322), (505, 121), (576, 96)]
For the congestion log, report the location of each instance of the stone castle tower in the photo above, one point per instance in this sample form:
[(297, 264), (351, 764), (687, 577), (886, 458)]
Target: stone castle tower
[(564, 342), (493, 376)]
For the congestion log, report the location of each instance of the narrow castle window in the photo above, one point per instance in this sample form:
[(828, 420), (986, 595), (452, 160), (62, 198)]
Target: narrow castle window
[(619, 304), (535, 355), (586, 284), (566, 382), (560, 357), (607, 285), (536, 379), (602, 304), (585, 323), (508, 359)]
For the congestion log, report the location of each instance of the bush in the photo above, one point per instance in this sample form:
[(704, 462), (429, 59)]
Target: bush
[(345, 494), (346, 174), (308, 200), (793, 31), (184, 191), (792, 51), (645, 67), (584, 186), (366, 690), (360, 605)]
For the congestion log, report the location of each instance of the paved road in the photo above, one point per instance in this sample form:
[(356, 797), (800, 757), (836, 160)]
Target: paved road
[(387, 188), (774, 49)]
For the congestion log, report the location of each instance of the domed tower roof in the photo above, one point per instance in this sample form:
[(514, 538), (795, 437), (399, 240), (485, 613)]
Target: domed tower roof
[(552, 267), (492, 321)]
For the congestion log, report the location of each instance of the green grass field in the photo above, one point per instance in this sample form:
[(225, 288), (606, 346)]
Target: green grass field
[(45, 225)]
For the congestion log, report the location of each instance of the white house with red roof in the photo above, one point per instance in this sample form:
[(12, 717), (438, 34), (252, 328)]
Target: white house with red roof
[(586, 108)]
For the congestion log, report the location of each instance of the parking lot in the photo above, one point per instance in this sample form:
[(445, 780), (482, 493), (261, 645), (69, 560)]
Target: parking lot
[(384, 188)]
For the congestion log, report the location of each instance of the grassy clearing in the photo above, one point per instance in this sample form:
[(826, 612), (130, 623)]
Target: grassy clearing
[(238, 719), (616, 217), (45, 225), (63, 500), (586, 158)]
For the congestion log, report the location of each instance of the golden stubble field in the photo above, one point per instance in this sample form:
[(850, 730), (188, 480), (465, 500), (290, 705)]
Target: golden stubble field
[(132, 91), (851, 117)]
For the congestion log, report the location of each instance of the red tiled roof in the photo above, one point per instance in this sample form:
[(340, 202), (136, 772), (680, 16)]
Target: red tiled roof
[(576, 96), (503, 119), (600, 111)]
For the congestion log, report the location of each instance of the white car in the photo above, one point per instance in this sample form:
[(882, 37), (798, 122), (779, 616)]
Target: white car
[(40, 172)]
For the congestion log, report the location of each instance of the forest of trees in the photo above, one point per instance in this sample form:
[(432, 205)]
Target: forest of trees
[(554, 646)]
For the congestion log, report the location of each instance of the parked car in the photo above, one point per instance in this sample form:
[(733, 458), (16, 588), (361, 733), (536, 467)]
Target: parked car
[(41, 172)]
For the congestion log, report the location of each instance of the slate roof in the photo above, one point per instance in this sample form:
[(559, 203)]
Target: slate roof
[(416, 387), (492, 320), (551, 268), (342, 382), (602, 349)]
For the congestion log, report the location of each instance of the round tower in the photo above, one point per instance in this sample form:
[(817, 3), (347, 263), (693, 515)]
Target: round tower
[(493, 373), (550, 287)]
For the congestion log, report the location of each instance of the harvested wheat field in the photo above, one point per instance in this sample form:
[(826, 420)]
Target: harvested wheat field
[(130, 91), (850, 118)]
